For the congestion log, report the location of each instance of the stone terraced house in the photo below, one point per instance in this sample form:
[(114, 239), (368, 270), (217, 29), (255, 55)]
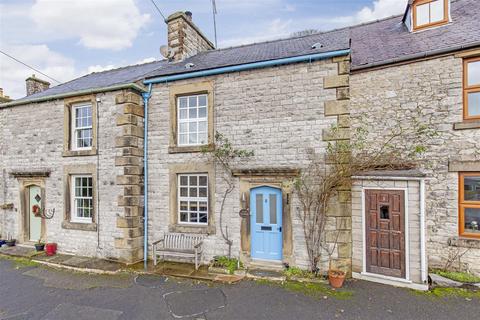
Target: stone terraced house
[(80, 147)]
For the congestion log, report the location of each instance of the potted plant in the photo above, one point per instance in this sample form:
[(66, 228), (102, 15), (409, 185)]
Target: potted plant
[(51, 249), (10, 242), (336, 278), (39, 245)]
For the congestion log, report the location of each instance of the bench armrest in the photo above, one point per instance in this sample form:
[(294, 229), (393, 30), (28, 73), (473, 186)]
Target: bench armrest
[(157, 242), (198, 245)]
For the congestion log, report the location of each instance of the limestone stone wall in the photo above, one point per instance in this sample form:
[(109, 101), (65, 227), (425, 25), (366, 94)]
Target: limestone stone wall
[(31, 139), (430, 91), (279, 113)]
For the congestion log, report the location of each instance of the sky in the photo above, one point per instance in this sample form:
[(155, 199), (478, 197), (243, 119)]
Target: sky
[(66, 39)]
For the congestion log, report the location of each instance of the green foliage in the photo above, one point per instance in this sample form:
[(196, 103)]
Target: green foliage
[(231, 264), (315, 290), (449, 293), (295, 272), (458, 276)]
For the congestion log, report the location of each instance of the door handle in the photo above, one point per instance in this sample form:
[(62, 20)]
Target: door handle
[(280, 229)]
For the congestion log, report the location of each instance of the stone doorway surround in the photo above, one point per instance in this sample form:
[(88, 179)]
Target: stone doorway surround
[(26, 180), (281, 178), (412, 183)]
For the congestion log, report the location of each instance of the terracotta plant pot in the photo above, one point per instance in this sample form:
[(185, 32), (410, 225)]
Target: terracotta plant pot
[(50, 249), (336, 278)]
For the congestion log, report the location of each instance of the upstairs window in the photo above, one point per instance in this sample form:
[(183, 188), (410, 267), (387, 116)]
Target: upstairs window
[(469, 223), (429, 13), (192, 120), (82, 126), (471, 88)]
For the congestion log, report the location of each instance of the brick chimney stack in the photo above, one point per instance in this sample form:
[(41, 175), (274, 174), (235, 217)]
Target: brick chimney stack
[(184, 37), (3, 98), (35, 85)]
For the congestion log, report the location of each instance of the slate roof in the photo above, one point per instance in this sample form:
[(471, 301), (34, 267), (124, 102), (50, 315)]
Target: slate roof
[(284, 48), (389, 40), (102, 79)]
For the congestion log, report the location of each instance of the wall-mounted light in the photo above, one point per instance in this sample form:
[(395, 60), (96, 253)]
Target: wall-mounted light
[(244, 211)]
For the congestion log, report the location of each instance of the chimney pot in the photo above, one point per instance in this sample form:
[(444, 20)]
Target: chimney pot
[(189, 15)]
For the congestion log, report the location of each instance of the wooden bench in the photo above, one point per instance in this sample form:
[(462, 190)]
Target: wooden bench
[(179, 245)]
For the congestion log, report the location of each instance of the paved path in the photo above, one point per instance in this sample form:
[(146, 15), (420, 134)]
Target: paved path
[(43, 293)]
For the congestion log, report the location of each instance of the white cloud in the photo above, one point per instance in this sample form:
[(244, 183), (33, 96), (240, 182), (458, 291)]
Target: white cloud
[(13, 74), (275, 29), (146, 60), (99, 24), (381, 9), (100, 68)]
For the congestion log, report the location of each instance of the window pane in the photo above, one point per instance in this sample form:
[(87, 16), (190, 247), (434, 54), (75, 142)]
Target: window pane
[(259, 208), (193, 180), (472, 220), (203, 206), (474, 104), (436, 11), (202, 138), (203, 218), (474, 73), (184, 216), (182, 102), (423, 14), (193, 192), (183, 205), (183, 114), (183, 192), (202, 180), (183, 139), (192, 113), (183, 127), (192, 102), (273, 209), (202, 112), (183, 180), (202, 100), (192, 138), (202, 126), (471, 189), (202, 192), (192, 126)]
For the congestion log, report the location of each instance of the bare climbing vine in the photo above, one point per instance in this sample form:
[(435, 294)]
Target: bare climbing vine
[(328, 174), (226, 155)]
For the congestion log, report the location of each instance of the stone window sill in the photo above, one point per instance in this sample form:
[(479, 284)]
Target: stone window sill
[(464, 242), (467, 125), (190, 149), (178, 228), (79, 226), (79, 153)]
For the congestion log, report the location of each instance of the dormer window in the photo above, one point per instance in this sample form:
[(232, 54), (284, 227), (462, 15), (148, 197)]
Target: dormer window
[(429, 13)]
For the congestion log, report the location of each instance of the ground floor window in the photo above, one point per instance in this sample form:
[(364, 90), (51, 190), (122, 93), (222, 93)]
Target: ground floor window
[(82, 198), (469, 205), (193, 198)]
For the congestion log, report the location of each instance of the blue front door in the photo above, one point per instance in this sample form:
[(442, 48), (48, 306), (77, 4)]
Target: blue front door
[(266, 223)]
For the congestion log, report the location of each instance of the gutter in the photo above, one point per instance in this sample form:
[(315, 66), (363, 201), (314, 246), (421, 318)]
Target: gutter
[(133, 86), (146, 97), (248, 66), (421, 55)]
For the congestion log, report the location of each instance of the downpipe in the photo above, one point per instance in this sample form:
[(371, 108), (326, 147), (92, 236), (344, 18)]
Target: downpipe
[(146, 97)]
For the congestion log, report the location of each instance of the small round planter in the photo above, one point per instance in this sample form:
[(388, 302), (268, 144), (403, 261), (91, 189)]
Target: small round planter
[(11, 243), (39, 247), (336, 278), (51, 249)]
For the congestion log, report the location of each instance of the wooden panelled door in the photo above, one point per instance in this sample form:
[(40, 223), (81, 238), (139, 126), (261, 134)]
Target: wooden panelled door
[(385, 232)]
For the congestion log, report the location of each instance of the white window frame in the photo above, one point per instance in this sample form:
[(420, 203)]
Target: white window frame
[(74, 127), (197, 199), (188, 121), (73, 202)]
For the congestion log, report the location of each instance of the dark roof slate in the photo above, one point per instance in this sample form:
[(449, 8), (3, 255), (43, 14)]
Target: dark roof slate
[(389, 40), (102, 79), (284, 48)]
